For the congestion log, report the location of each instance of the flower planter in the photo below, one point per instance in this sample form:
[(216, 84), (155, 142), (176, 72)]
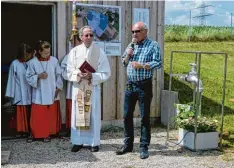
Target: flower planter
[(204, 141)]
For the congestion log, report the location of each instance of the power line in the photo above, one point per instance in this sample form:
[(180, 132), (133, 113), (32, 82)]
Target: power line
[(203, 15), (204, 6)]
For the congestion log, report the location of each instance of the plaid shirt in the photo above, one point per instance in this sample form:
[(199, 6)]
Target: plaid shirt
[(147, 51)]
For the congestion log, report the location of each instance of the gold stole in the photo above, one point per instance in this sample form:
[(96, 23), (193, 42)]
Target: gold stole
[(84, 94)]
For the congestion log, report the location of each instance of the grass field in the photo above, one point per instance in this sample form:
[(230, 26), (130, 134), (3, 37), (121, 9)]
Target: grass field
[(211, 76), (175, 33)]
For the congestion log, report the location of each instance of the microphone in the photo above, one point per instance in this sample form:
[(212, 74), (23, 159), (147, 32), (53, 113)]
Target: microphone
[(133, 43)]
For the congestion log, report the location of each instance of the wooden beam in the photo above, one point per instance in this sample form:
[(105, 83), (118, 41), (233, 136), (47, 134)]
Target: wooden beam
[(61, 50)]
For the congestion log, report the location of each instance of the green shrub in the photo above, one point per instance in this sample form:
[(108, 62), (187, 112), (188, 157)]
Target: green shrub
[(186, 119), (175, 33)]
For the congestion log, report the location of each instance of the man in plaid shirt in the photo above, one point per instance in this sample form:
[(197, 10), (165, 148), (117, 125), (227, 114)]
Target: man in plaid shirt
[(141, 60)]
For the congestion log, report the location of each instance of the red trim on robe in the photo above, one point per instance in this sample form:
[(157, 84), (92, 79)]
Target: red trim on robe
[(21, 60), (68, 112), (39, 122), (21, 118), (43, 59), (55, 118)]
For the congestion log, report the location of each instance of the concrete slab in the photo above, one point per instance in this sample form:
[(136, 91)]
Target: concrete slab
[(5, 156)]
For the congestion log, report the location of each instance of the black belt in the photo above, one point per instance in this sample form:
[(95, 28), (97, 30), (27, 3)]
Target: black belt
[(140, 82)]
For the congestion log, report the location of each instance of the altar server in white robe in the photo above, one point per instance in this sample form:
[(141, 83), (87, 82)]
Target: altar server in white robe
[(44, 75), (18, 89), (86, 100), (75, 41)]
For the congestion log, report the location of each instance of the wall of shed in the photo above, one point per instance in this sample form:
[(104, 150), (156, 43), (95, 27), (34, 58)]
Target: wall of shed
[(113, 90)]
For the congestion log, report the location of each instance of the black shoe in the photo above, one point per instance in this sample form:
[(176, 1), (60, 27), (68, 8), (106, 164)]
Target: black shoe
[(124, 149), (144, 154), (94, 148), (76, 148)]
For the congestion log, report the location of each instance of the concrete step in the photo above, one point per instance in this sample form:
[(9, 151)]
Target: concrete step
[(5, 156)]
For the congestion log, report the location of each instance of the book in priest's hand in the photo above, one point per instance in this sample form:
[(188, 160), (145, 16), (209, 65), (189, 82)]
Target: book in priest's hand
[(86, 67)]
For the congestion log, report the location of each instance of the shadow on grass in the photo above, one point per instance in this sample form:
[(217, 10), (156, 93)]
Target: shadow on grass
[(228, 143), (209, 107)]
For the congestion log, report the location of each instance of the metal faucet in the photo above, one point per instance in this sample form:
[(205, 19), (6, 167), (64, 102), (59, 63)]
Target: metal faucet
[(191, 77)]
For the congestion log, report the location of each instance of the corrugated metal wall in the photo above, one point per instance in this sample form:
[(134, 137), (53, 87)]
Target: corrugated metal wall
[(113, 89)]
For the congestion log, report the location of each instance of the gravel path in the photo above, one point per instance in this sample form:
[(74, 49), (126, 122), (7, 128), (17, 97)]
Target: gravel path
[(57, 154)]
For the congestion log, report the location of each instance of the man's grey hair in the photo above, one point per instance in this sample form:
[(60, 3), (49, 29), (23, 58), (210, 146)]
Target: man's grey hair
[(81, 30), (145, 27)]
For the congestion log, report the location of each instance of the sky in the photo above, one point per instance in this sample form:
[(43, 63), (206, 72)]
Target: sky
[(177, 12)]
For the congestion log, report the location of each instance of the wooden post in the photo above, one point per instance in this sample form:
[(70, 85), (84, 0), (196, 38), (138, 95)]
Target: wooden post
[(61, 50), (109, 87), (74, 23)]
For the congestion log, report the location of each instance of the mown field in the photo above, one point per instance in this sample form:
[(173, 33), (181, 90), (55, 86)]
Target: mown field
[(175, 33), (211, 76)]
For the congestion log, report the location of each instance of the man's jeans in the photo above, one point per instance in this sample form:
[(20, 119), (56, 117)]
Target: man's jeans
[(141, 91)]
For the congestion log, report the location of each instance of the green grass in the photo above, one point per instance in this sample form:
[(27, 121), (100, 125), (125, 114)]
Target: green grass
[(175, 33), (211, 75)]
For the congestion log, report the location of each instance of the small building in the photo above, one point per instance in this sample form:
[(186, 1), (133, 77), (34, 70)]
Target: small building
[(25, 21)]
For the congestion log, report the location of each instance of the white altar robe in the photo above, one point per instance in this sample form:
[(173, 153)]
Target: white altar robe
[(43, 90), (64, 75), (17, 85), (89, 137)]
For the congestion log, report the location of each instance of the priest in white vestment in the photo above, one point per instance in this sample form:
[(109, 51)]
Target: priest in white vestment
[(86, 98)]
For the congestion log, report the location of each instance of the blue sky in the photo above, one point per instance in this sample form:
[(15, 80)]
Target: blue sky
[(177, 12)]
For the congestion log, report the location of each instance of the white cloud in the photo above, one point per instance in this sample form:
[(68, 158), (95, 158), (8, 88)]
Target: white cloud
[(169, 20), (173, 6), (227, 19), (181, 20), (177, 12), (210, 10)]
